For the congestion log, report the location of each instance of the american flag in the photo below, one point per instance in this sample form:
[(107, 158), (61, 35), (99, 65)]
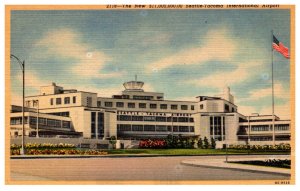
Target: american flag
[(280, 48)]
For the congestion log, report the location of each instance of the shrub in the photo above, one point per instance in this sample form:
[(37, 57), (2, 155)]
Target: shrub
[(213, 143), (205, 143), (200, 143)]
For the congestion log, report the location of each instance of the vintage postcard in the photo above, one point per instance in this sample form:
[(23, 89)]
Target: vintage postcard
[(150, 94)]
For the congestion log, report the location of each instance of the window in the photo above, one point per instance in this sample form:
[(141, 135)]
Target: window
[(142, 97), (142, 105), (183, 119), (89, 101), (137, 127), (51, 122), (125, 127), (163, 106), (192, 129), (120, 104), (184, 107), (98, 103), (149, 118), (67, 100), (131, 105), (191, 120), (282, 127), (27, 103), (124, 118), (74, 99), (137, 118), (65, 114), (192, 107), (161, 128), (35, 103), (108, 104), (51, 101), (201, 106), (161, 119), (226, 108), (42, 121), (153, 106), (58, 101), (175, 119), (66, 124), (149, 127), (174, 107), (260, 128), (183, 129), (175, 128)]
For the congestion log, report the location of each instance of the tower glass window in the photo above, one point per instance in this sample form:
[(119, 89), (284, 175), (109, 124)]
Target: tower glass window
[(58, 101), (120, 104), (131, 105), (67, 100), (108, 104), (163, 106), (174, 107), (184, 107), (153, 106), (142, 105)]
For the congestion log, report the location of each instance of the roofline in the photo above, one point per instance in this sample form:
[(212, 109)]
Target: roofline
[(62, 94), (148, 100)]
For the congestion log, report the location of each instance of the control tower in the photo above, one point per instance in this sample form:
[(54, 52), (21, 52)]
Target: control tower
[(136, 86)]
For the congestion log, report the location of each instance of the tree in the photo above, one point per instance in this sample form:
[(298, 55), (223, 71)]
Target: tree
[(200, 143), (113, 141), (213, 143), (205, 143)]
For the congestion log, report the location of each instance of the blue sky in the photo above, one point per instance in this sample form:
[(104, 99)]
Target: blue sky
[(183, 53)]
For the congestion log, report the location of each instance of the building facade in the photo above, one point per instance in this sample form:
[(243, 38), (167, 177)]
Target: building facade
[(136, 114)]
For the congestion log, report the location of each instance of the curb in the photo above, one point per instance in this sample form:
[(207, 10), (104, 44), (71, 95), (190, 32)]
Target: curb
[(117, 156), (234, 168)]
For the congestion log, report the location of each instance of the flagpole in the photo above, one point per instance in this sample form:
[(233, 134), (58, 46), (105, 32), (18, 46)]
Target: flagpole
[(273, 116)]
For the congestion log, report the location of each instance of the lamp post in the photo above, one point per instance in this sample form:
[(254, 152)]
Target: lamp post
[(249, 126), (22, 65), (37, 118)]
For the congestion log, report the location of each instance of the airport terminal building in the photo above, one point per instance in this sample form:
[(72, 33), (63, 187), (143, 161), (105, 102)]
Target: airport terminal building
[(137, 114)]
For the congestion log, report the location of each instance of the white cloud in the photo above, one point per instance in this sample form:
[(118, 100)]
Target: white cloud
[(216, 46), (32, 80), (156, 39), (282, 111), (279, 92), (15, 99), (66, 43), (222, 79)]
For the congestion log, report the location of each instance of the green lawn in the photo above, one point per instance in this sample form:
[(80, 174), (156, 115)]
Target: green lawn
[(189, 151)]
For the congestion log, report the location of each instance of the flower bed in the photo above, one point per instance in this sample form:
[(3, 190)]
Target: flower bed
[(58, 152), (280, 147), (43, 146), (271, 163), (53, 149), (153, 144)]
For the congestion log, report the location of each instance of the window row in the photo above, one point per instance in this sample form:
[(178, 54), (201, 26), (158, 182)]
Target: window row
[(144, 105), (154, 118), (260, 128), (157, 128), (42, 122), (58, 101)]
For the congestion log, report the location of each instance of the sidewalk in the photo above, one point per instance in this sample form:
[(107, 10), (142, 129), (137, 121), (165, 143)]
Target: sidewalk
[(221, 164)]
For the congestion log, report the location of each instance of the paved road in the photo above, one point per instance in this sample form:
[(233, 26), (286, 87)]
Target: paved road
[(127, 168)]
